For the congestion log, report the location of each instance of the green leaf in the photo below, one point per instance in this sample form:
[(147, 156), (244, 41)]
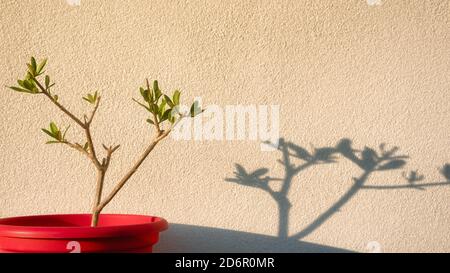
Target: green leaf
[(176, 97), (154, 109), (47, 81), (168, 100), (156, 90), (195, 109), (151, 97), (162, 107), (41, 66), (52, 142), (33, 62), (150, 121), (166, 115), (28, 76), (55, 97), (155, 85), (28, 85), (48, 132), (59, 136), (145, 94), (53, 128), (30, 69), (33, 65), (157, 95), (192, 111), (92, 99), (86, 146), (21, 90)]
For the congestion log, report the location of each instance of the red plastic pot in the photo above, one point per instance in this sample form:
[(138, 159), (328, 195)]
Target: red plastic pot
[(72, 233)]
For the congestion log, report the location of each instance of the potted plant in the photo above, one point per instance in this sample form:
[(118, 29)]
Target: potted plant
[(93, 232)]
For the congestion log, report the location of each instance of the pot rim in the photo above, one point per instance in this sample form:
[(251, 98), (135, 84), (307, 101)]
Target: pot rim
[(145, 225)]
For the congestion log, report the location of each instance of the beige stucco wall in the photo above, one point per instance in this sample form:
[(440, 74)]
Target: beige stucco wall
[(338, 69)]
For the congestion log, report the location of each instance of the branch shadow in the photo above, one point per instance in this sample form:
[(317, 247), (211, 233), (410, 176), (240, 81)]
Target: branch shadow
[(368, 160), (190, 238)]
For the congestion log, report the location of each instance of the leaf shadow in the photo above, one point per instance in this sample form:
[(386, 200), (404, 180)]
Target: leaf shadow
[(369, 161)]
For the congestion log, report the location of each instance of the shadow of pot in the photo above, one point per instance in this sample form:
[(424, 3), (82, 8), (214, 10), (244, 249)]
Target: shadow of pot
[(188, 238)]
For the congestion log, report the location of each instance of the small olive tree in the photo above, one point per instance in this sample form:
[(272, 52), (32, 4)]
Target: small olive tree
[(164, 112)]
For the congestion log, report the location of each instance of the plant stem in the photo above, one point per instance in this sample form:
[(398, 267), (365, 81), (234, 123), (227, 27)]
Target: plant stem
[(100, 181), (127, 176), (103, 167), (92, 153), (94, 218), (60, 106), (98, 196), (86, 125)]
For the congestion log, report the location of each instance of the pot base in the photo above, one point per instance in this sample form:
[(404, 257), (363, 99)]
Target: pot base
[(72, 233)]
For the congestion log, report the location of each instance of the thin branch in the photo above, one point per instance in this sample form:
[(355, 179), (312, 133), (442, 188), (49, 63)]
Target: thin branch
[(60, 106), (85, 125), (77, 147), (161, 135), (92, 153), (89, 121), (80, 148), (127, 176), (109, 151)]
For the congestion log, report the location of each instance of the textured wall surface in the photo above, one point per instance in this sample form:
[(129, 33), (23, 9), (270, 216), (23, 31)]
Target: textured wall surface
[(338, 69)]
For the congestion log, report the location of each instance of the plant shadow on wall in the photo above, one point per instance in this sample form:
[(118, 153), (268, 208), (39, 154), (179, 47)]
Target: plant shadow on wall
[(368, 160)]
